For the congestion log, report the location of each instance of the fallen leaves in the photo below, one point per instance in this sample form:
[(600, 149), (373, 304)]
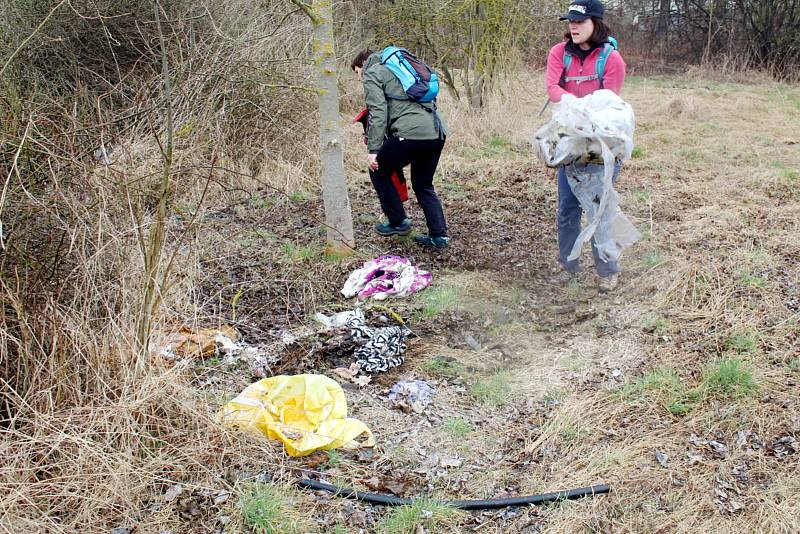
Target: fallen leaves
[(189, 341), (351, 374)]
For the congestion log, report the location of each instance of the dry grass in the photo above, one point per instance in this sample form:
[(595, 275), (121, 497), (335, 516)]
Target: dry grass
[(88, 445), (723, 215), (714, 281)]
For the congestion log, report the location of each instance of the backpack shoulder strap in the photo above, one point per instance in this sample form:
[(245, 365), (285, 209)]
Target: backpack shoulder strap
[(567, 61), (600, 65)]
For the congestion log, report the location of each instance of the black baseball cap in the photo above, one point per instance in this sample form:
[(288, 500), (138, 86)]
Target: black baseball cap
[(583, 9)]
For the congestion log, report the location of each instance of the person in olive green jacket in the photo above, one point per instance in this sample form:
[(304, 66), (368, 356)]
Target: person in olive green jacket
[(402, 132)]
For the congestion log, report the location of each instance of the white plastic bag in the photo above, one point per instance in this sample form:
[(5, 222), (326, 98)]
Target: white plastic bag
[(611, 229), (596, 127)]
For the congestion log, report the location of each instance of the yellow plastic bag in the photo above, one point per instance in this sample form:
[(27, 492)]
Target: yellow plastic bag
[(306, 412)]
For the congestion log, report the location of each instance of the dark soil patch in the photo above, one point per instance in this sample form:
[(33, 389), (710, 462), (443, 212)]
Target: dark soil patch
[(262, 266)]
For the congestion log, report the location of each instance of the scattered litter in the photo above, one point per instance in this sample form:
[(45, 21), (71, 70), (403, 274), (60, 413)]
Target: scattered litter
[(720, 448), (384, 277), (597, 128), (306, 412), (717, 447), (784, 446), (199, 342), (411, 395), (340, 320), (662, 458), (739, 472), (200, 502), (450, 462), (473, 343), (173, 493), (695, 458), (103, 154), (746, 437), (726, 493), (376, 349)]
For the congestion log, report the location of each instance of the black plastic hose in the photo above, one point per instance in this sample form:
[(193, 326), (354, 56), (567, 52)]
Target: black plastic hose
[(490, 504)]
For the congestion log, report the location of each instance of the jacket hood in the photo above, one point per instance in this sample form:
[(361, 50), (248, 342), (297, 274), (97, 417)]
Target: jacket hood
[(373, 59)]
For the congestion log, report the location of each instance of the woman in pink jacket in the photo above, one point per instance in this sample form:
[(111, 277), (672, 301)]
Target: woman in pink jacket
[(586, 42)]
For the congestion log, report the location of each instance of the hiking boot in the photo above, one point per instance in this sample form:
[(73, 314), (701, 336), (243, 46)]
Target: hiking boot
[(432, 242), (608, 283), (386, 229)]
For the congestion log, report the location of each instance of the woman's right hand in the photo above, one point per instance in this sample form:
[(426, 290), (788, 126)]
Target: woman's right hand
[(372, 161)]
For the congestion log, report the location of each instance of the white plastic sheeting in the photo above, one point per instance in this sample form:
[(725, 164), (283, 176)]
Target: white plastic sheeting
[(597, 127)]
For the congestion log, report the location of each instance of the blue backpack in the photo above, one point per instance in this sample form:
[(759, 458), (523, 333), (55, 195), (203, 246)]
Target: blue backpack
[(419, 81), (600, 65)]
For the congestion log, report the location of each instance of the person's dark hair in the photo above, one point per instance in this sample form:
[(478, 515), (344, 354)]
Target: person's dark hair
[(360, 58), (599, 34)]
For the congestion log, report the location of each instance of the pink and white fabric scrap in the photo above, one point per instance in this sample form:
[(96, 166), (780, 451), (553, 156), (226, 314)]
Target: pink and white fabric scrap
[(384, 277)]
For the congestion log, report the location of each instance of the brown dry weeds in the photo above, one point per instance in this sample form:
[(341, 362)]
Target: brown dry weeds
[(578, 399)]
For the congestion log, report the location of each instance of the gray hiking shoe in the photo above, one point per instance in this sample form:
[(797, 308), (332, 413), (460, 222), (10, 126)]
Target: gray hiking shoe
[(609, 283)]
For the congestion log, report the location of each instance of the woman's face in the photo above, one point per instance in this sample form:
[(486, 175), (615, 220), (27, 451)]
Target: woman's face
[(581, 31)]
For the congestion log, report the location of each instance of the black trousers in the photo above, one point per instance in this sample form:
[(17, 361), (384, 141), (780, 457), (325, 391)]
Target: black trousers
[(423, 156)]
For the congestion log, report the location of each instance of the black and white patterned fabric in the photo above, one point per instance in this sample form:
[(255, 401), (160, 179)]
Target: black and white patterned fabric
[(382, 348)]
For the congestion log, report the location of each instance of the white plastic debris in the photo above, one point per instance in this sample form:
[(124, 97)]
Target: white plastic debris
[(597, 127), (412, 395)]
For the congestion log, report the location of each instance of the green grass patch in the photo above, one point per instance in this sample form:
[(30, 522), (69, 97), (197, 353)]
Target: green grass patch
[(661, 379), (555, 396), (432, 516), (496, 390), (571, 433), (637, 152), (664, 386), (443, 367), (652, 259), (794, 365), (335, 458), (790, 175), (300, 196), (730, 378), (640, 196), (260, 203), (265, 234), (439, 299), (691, 155), (575, 365), (656, 323), (574, 288), (293, 252), (743, 343), (752, 280), (458, 428), (498, 146), (266, 509)]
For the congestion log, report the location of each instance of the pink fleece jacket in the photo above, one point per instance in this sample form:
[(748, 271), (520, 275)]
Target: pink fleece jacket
[(613, 76)]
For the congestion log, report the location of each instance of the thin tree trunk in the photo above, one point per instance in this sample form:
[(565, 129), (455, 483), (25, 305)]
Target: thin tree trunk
[(338, 216)]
